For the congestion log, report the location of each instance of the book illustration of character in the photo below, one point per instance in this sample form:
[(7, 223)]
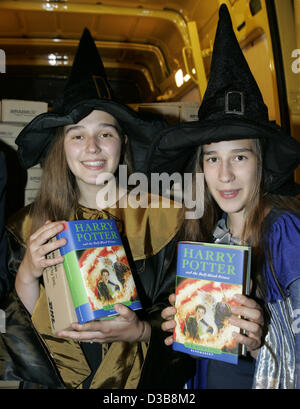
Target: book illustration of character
[(93, 262), (220, 307), (195, 325), (222, 312), (106, 288), (120, 269), (216, 298)]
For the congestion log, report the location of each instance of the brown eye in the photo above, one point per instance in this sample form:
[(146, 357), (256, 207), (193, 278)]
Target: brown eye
[(212, 159), (240, 158), (105, 134)]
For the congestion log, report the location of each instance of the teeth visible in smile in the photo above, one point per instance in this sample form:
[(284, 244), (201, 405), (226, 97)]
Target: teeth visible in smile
[(95, 163)]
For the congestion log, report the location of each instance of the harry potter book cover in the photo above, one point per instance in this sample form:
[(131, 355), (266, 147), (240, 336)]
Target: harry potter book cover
[(208, 276), (97, 271)]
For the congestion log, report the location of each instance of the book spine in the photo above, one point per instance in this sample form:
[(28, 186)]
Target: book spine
[(75, 279), (247, 283)]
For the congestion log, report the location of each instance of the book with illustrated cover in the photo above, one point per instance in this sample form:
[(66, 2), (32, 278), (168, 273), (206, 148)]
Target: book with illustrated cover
[(208, 276), (97, 269)]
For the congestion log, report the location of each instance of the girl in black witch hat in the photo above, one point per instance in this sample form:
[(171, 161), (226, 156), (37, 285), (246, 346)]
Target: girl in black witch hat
[(85, 135), (248, 165)]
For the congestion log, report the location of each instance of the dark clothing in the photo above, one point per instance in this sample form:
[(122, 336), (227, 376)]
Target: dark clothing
[(221, 375), (25, 356)]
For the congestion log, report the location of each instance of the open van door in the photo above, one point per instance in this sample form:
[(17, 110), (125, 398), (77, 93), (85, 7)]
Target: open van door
[(156, 53)]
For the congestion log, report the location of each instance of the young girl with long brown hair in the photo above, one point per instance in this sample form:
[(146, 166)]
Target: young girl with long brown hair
[(248, 165), (86, 135)]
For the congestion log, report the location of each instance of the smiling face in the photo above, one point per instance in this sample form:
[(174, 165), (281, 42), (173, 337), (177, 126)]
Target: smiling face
[(230, 170), (92, 146)]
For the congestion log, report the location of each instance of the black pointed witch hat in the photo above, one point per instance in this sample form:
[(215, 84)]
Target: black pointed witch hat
[(86, 89), (232, 108), (87, 79), (232, 89)]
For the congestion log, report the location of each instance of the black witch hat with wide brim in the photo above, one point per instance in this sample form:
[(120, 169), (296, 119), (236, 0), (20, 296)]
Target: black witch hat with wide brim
[(86, 89), (232, 108)]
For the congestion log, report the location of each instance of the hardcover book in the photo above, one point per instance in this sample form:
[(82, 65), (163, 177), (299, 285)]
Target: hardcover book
[(207, 278), (97, 269)]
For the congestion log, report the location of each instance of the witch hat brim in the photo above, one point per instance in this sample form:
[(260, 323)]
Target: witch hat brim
[(174, 150), (86, 89), (232, 108), (36, 138)]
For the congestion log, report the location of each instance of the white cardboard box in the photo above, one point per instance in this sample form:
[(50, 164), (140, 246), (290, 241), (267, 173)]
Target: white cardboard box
[(34, 178), (189, 114), (173, 112), (21, 111), (30, 195), (10, 130), (9, 133)]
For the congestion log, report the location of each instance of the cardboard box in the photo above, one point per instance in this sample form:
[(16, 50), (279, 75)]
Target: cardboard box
[(10, 130), (30, 195), (172, 112), (60, 304), (169, 112), (21, 111), (189, 112), (34, 178), (9, 133)]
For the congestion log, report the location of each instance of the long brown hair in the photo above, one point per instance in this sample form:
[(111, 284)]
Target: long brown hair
[(59, 193), (201, 229)]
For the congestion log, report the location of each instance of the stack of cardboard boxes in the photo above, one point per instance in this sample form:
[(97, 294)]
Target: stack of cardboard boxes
[(15, 114)]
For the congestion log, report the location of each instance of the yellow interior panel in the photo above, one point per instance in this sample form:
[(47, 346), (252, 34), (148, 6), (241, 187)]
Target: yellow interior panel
[(153, 38)]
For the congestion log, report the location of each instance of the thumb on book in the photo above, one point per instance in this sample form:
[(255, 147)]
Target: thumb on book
[(123, 310)]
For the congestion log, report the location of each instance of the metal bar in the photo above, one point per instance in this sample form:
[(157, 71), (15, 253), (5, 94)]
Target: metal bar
[(168, 15), (197, 56), (62, 43)]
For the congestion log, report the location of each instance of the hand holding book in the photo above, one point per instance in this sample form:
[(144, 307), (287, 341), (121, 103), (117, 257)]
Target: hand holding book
[(168, 315), (38, 246), (249, 317), (125, 327), (252, 321), (34, 262), (95, 276)]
